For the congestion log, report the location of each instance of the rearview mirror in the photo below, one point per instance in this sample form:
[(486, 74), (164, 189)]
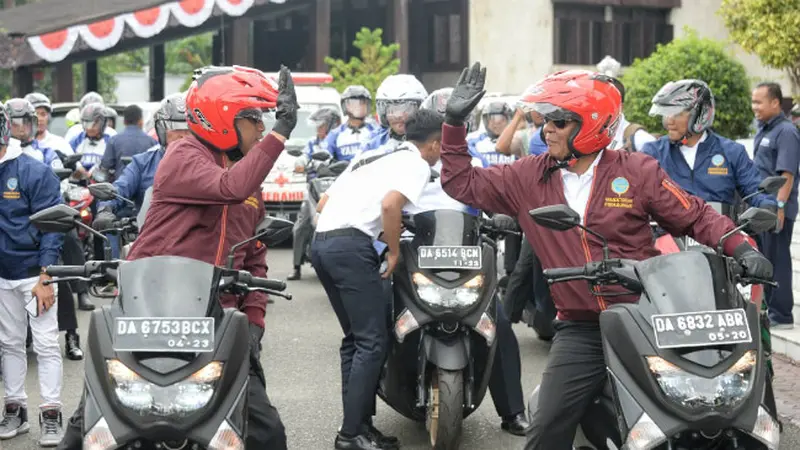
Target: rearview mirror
[(321, 156), (771, 185), (294, 151), (757, 220), (56, 219), (272, 231), (556, 217), (63, 174), (71, 160), (103, 191)]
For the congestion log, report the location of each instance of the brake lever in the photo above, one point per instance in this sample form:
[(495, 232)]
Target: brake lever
[(748, 280), (572, 278), (269, 292), (64, 280)]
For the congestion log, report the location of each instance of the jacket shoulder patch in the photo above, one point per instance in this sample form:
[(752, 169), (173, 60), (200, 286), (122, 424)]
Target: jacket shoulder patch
[(679, 193)]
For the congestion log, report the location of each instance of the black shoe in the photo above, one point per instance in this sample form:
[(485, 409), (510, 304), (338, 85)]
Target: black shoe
[(360, 442), (517, 425), (84, 304), (296, 275), (383, 441), (73, 346)]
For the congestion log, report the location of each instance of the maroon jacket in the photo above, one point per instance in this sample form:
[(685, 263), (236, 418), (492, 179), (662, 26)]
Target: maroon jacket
[(627, 189), (200, 210)]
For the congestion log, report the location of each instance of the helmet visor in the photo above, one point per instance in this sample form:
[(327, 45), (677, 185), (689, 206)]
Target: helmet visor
[(254, 114), (666, 110), (175, 125), (400, 110), (22, 128), (356, 107), (553, 113)]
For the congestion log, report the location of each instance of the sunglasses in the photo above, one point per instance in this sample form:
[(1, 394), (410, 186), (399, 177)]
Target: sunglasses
[(558, 123)]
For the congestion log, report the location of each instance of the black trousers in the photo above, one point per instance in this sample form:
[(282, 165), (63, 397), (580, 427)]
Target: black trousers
[(512, 251), (527, 282), (505, 385), (777, 248), (264, 427), (72, 254), (67, 319), (574, 377), (348, 266)]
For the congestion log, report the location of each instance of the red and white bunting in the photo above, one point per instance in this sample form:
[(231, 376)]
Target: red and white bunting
[(55, 46), (104, 34), (148, 22), (192, 13), (235, 8)]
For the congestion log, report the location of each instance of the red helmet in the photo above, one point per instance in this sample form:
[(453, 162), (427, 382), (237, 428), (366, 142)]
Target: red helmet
[(589, 98), (219, 95)]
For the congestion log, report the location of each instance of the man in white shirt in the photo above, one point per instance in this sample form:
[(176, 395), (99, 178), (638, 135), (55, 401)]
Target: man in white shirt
[(43, 111), (362, 203)]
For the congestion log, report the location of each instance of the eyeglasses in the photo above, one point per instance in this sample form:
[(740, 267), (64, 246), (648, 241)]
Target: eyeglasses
[(559, 123)]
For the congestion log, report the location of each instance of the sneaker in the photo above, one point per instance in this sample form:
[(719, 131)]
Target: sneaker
[(51, 424), (781, 326), (15, 421)]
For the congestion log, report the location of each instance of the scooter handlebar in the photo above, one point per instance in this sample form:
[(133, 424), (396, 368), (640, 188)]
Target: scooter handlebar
[(564, 272), (258, 282), (66, 271)]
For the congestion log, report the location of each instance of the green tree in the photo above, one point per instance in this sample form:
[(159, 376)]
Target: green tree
[(377, 62), (767, 28), (691, 57)]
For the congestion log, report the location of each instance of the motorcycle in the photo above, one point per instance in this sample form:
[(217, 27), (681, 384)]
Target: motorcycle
[(127, 228), (685, 371), (444, 309), (167, 370)]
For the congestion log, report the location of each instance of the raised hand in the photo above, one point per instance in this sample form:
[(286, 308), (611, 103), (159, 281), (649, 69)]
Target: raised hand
[(286, 114), (468, 91)]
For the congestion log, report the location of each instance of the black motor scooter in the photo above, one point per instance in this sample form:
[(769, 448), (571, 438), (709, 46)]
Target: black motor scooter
[(168, 366), (444, 311), (686, 367)]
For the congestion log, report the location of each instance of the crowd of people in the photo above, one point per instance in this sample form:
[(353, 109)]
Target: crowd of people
[(565, 141)]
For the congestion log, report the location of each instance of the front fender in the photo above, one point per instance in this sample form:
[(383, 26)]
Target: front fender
[(448, 354)]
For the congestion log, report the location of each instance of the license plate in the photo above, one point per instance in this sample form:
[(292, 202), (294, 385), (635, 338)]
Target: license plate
[(156, 334), (450, 257), (700, 329), (692, 243)]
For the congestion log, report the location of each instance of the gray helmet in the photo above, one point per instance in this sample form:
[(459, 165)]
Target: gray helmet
[(94, 114), (493, 109), (39, 100), (686, 95), (356, 92), (89, 98), (325, 116), (171, 115), (19, 109), (5, 127), (437, 100)]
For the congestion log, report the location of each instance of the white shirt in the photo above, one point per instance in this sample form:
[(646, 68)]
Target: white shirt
[(355, 199), (50, 140), (690, 153), (578, 188), (77, 128), (640, 138), (434, 197)]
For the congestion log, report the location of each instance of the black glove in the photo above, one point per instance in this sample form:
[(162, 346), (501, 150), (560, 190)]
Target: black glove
[(256, 333), (754, 263), (503, 222), (286, 115), (467, 92), (103, 220)]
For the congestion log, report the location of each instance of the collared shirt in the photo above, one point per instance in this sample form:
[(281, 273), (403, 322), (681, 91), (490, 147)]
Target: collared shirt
[(355, 199), (690, 153), (578, 188), (345, 142), (130, 142), (776, 149), (640, 137), (435, 198), (55, 142), (487, 147)]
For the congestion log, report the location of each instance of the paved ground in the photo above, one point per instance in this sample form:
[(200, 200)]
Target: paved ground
[(301, 360)]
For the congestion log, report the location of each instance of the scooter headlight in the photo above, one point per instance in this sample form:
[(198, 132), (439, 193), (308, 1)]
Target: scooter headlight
[(462, 296), (177, 400), (694, 392)]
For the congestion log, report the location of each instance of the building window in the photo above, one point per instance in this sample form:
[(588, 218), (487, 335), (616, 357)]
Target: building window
[(446, 42), (584, 34)]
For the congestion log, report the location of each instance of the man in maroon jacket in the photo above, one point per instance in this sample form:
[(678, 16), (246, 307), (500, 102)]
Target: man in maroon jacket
[(203, 204), (615, 193)]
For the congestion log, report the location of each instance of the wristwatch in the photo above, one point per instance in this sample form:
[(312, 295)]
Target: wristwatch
[(781, 204)]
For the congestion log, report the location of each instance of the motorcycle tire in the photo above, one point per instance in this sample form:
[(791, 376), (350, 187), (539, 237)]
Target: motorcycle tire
[(448, 390)]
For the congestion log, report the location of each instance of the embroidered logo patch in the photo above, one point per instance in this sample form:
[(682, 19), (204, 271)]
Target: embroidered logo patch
[(619, 186), (12, 184), (718, 168)]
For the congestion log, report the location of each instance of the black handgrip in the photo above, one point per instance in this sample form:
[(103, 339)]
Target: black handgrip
[(258, 282), (555, 274), (66, 271)]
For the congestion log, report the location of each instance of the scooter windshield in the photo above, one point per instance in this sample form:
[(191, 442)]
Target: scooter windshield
[(165, 286), (685, 282), (446, 227)]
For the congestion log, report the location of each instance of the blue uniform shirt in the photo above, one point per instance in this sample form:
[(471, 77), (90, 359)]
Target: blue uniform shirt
[(482, 144), (43, 154), (92, 151), (721, 169), (28, 186), (537, 145), (345, 142), (776, 149), (130, 142), (137, 177)]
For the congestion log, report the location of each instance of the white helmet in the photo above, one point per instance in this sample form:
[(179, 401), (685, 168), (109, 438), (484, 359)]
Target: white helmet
[(399, 94)]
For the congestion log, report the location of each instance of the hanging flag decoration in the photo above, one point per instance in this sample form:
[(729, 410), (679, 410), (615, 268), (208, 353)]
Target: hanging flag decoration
[(148, 22), (105, 34), (55, 46), (192, 13), (235, 8)]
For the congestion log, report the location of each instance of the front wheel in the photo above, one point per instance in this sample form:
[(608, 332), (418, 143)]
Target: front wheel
[(445, 409)]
